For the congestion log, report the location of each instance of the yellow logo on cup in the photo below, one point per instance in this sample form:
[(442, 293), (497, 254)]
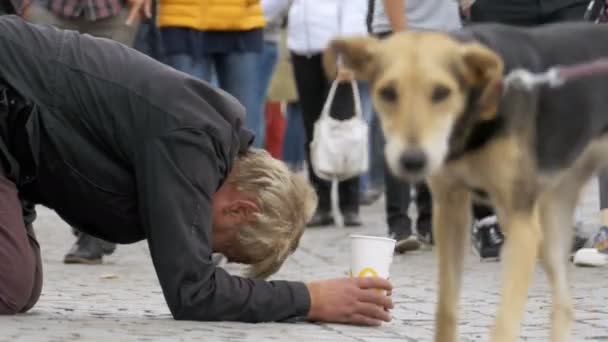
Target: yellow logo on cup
[(368, 271)]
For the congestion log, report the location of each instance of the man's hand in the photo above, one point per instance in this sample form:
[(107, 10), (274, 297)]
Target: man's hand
[(136, 7), (353, 301)]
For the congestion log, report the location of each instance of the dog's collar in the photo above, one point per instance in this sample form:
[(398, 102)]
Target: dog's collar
[(470, 132)]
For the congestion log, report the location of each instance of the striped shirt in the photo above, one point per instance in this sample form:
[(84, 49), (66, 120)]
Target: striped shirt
[(78, 9)]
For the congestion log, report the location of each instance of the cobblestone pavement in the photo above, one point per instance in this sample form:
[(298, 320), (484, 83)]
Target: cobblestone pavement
[(121, 300)]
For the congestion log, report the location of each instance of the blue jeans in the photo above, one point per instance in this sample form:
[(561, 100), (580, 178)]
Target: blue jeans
[(294, 153), (234, 72)]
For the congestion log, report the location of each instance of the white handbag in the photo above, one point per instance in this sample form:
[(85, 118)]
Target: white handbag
[(339, 149)]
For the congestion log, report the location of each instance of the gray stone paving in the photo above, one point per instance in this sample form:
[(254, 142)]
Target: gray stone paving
[(121, 300)]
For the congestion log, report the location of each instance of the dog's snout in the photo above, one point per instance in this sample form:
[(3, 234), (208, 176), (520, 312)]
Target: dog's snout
[(413, 161)]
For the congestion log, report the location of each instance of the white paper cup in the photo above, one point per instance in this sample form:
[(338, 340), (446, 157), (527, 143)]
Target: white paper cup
[(370, 256)]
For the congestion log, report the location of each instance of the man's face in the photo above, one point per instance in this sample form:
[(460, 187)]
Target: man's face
[(232, 209)]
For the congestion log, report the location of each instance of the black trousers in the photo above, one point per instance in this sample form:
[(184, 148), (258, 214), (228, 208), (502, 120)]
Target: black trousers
[(313, 86), (398, 198), (528, 12)]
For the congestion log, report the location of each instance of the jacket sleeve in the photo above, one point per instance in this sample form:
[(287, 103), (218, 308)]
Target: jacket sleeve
[(177, 175)]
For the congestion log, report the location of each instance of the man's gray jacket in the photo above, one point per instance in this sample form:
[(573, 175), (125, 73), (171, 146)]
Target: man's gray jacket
[(125, 148)]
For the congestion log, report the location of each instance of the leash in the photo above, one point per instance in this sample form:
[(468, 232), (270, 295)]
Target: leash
[(553, 77)]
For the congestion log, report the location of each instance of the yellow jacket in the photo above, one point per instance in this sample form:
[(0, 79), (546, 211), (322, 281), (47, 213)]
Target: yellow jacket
[(211, 15)]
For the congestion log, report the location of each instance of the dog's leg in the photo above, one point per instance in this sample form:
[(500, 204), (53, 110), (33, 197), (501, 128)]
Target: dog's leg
[(557, 209), (451, 223), (523, 236)]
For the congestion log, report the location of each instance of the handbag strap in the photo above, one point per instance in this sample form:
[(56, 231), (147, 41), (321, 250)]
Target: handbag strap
[(332, 94)]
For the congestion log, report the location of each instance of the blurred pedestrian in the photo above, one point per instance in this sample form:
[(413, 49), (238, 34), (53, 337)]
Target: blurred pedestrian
[(221, 39), (312, 24), (390, 16)]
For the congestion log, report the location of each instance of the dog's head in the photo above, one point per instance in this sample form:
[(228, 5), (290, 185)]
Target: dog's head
[(422, 84)]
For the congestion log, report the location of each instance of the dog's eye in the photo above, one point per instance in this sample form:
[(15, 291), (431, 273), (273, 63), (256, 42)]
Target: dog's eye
[(388, 93), (440, 93)]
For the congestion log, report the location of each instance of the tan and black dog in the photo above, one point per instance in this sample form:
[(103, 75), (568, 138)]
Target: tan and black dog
[(447, 120)]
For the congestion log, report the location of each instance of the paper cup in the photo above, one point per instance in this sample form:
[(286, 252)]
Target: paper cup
[(370, 256)]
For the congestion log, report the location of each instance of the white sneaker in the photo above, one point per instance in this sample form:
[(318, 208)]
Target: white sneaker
[(596, 256), (590, 257)]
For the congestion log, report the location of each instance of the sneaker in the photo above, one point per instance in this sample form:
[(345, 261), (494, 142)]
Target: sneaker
[(598, 254), (108, 247), (321, 218), (87, 250), (352, 219), (487, 238), (600, 241), (406, 243), (370, 196)]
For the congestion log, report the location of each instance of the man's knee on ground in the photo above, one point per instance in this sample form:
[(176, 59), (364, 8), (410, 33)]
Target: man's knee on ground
[(16, 288)]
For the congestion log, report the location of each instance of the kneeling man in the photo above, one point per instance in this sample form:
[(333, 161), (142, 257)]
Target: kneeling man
[(125, 148)]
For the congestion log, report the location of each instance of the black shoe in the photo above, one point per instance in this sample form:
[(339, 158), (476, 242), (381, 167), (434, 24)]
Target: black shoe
[(321, 219), (370, 196), (87, 250), (425, 232), (352, 219), (108, 247), (405, 242), (487, 238)]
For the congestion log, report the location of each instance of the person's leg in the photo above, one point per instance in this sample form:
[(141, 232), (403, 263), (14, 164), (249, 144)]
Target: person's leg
[(273, 118), (574, 12), (510, 12), (425, 211), (293, 144), (267, 62), (312, 90), (20, 263), (237, 74), (366, 108), (603, 184), (193, 67), (377, 154), (397, 200), (343, 108)]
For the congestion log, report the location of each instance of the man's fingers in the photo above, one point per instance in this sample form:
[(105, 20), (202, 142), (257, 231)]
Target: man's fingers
[(364, 320), (376, 297), (373, 311), (133, 13), (373, 283)]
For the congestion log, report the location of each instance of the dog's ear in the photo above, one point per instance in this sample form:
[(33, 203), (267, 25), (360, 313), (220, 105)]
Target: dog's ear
[(355, 53), (484, 73)]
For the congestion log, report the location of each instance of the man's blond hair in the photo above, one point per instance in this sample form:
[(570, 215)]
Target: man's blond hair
[(286, 201)]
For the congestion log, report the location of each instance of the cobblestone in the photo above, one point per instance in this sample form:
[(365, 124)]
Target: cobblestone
[(78, 304)]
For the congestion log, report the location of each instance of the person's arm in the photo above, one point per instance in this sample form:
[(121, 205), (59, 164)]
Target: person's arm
[(275, 9), (395, 12), (177, 175)]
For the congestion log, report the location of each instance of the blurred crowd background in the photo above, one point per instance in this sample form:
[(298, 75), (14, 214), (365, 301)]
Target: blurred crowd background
[(268, 54)]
